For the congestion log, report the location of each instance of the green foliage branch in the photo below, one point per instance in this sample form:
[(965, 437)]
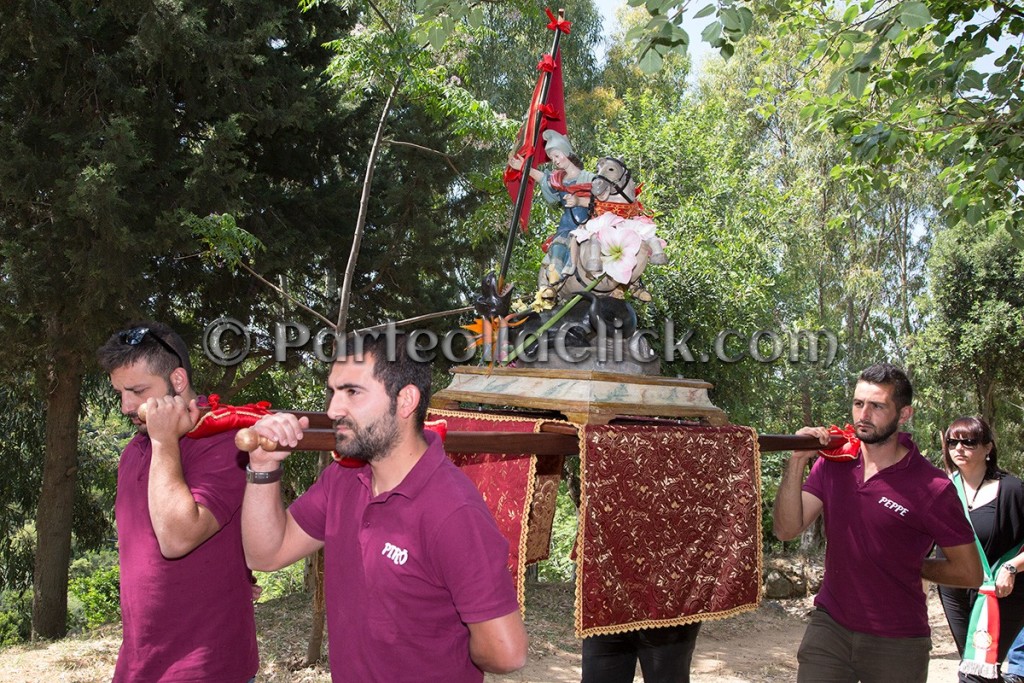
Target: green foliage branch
[(905, 87)]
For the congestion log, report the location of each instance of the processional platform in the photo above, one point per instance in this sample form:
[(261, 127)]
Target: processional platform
[(583, 396), (669, 517)]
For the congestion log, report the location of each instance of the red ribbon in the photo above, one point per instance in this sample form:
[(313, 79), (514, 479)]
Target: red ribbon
[(557, 24), (846, 452), (222, 418), (549, 112), (547, 64)]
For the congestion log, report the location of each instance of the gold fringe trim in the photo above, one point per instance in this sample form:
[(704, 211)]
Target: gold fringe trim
[(662, 623), (757, 521), (581, 523)]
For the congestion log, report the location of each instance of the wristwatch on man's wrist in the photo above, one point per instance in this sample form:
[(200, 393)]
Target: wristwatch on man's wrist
[(1010, 569), (254, 477)]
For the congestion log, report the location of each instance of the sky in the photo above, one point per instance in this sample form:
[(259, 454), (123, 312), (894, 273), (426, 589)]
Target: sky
[(698, 49)]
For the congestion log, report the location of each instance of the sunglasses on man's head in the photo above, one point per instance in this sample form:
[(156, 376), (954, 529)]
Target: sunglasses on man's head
[(134, 337), (966, 443)]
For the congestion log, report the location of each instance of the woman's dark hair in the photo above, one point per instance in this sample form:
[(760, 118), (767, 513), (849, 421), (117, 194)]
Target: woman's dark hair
[(972, 428)]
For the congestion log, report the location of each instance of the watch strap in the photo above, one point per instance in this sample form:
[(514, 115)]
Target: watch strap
[(270, 477)]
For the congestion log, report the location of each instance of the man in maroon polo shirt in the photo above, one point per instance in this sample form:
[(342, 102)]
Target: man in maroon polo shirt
[(186, 595), (415, 569), (883, 512)]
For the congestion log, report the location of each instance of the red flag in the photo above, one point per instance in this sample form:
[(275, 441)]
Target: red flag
[(552, 117)]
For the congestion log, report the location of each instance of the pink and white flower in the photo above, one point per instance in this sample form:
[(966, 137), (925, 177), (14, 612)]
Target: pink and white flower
[(619, 249), (594, 226)]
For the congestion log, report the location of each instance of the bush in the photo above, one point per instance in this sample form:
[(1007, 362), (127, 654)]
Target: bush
[(94, 591), (15, 617), (282, 582)]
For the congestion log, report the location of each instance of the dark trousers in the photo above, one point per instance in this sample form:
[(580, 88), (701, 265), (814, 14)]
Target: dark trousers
[(664, 655), (830, 653)]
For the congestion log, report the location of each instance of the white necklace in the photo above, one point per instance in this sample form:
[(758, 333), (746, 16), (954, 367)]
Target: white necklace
[(970, 506)]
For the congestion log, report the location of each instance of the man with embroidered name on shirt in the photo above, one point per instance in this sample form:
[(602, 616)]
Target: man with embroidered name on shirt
[(415, 569), (882, 512)]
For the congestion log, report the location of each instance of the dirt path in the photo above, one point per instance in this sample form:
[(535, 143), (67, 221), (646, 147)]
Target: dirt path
[(759, 646)]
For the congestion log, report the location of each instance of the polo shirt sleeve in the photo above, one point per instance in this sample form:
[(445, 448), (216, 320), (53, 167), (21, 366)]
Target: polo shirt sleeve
[(814, 484), (214, 470), (472, 559), (310, 509), (947, 523)]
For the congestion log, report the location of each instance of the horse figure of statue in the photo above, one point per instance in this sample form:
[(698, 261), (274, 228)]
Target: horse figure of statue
[(615, 212), (607, 256), (587, 270), (614, 190)]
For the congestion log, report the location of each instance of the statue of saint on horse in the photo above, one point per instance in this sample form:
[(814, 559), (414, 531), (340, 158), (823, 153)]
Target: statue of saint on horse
[(604, 241)]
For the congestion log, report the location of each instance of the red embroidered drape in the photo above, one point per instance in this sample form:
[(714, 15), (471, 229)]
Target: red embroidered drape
[(520, 495), (670, 526)]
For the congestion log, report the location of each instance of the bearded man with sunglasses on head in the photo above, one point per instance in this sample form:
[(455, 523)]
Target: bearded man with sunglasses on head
[(186, 593)]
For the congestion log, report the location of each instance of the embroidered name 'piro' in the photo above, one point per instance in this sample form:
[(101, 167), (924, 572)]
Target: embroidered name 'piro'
[(395, 554)]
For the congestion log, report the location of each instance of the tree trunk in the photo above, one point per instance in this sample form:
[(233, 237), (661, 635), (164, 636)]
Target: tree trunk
[(315, 580), (806, 406), (54, 515), (987, 399), (314, 647), (571, 473)]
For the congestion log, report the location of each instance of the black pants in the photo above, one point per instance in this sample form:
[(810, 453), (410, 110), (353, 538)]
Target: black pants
[(664, 653)]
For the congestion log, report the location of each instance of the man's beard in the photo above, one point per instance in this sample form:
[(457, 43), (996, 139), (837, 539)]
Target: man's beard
[(882, 433), (368, 443)]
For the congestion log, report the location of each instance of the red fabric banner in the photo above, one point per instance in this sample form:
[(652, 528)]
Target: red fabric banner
[(670, 526), (506, 481), (552, 117)]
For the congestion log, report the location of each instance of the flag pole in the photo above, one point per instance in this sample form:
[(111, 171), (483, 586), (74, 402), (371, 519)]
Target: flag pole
[(524, 184)]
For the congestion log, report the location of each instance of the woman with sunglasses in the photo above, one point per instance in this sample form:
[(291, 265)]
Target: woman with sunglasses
[(993, 499)]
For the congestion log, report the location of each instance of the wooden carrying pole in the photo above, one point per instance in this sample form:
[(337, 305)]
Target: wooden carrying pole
[(553, 439)]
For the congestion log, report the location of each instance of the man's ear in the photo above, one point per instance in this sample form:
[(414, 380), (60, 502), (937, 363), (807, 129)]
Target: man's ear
[(179, 380), (408, 401), (906, 412)]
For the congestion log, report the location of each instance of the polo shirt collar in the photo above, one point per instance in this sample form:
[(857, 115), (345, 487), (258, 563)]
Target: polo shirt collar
[(912, 452), (420, 473)]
